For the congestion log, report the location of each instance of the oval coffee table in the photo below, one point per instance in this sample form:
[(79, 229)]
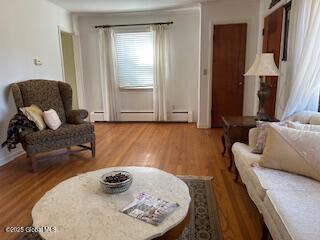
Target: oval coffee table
[(79, 210)]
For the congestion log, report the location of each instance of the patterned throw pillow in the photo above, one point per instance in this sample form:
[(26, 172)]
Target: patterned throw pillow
[(34, 113), (263, 133)]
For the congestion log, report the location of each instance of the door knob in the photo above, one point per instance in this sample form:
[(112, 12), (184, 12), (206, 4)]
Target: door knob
[(240, 83)]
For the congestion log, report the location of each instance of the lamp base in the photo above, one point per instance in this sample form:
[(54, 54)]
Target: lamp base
[(262, 117), (263, 95)]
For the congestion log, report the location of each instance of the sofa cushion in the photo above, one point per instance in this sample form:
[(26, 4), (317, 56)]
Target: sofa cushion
[(263, 179), (269, 179), (315, 119), (66, 131), (296, 213), (292, 150)]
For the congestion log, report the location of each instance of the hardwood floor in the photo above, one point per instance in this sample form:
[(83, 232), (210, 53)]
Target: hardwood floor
[(177, 148)]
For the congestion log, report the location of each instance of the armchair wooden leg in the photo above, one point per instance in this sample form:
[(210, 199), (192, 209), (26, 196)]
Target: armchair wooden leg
[(93, 148), (34, 163)]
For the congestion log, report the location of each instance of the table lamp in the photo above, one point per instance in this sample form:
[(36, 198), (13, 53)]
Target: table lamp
[(263, 66)]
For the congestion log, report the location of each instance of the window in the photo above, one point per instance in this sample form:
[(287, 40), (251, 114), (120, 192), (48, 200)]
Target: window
[(135, 59)]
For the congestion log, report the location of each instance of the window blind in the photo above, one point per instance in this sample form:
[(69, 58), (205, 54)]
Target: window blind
[(134, 51)]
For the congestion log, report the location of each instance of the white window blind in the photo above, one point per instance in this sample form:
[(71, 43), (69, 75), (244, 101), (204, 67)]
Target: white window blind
[(134, 52)]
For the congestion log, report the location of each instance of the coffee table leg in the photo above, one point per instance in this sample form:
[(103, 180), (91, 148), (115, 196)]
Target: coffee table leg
[(224, 145)]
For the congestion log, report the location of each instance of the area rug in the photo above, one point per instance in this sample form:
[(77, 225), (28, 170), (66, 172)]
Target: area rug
[(204, 220)]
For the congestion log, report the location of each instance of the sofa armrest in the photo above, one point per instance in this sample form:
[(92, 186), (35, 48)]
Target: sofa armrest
[(77, 116), (253, 136)]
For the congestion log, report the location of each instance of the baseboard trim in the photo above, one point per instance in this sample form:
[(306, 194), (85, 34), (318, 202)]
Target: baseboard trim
[(136, 117), (203, 126), (11, 156), (126, 116)]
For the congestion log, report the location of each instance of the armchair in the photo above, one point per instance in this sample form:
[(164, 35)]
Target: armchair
[(57, 95)]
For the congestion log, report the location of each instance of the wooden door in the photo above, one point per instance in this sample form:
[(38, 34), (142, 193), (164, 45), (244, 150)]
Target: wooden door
[(229, 49), (272, 44)]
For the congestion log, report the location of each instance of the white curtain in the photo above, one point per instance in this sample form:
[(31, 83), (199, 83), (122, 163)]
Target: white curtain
[(303, 70), (108, 70), (161, 71)]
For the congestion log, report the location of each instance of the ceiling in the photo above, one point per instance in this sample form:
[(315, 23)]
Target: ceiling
[(122, 5)]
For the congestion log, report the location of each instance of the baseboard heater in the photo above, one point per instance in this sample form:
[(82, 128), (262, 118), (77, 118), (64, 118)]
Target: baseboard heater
[(144, 116)]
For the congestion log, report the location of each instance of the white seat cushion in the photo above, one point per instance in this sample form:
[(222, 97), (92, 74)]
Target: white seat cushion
[(269, 179), (296, 213), (263, 179)]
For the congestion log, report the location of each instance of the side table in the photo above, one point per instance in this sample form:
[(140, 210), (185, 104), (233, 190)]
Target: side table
[(236, 129)]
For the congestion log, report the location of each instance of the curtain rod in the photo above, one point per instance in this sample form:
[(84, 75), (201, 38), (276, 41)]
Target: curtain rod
[(138, 24)]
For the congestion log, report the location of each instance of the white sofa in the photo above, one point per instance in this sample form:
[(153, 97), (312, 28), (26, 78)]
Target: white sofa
[(289, 203)]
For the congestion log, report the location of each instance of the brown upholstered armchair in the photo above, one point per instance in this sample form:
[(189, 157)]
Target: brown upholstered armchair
[(57, 95)]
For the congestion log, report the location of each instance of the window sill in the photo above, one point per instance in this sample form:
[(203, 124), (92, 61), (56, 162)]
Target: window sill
[(136, 88)]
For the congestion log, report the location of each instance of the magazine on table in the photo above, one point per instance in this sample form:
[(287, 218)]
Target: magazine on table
[(150, 209)]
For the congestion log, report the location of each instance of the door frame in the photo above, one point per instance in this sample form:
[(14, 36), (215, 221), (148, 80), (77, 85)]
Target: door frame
[(210, 64), (77, 63)]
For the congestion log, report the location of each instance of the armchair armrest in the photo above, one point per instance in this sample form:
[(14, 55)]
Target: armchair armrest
[(77, 116)]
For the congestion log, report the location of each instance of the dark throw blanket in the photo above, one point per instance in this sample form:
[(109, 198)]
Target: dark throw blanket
[(18, 124)]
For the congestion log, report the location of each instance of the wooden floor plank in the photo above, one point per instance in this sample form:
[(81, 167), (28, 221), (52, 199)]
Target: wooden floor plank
[(180, 149)]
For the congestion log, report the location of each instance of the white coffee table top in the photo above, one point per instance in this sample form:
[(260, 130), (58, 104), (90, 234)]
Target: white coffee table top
[(78, 208)]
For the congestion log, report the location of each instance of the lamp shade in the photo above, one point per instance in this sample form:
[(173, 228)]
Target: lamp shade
[(263, 65)]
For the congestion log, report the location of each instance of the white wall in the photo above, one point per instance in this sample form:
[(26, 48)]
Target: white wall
[(184, 38), (29, 29), (226, 12)]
